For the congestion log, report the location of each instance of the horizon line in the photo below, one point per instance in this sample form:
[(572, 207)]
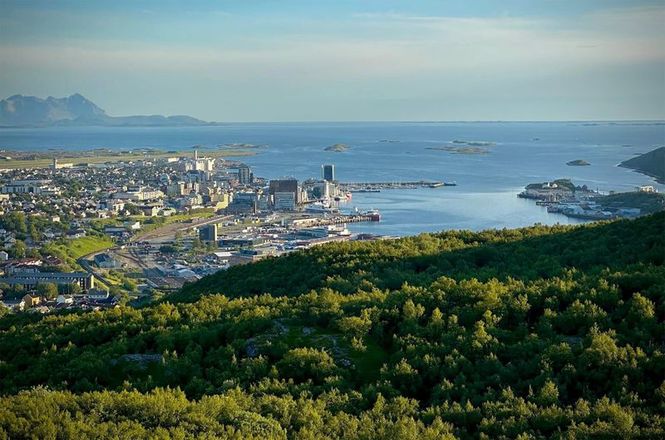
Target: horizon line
[(402, 121)]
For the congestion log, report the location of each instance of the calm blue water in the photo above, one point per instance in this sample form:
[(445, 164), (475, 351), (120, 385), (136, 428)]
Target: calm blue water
[(487, 184)]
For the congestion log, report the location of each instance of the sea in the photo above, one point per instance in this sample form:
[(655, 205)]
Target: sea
[(512, 155)]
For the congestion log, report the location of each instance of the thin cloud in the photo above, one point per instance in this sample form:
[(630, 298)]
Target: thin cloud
[(387, 57)]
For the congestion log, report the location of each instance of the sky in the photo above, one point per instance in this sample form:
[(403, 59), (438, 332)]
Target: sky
[(362, 60)]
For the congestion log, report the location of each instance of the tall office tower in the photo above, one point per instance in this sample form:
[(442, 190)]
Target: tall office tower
[(328, 172), (244, 175), (208, 233)]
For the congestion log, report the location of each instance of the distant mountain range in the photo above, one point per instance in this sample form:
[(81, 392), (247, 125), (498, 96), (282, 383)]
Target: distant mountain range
[(76, 110), (651, 164)]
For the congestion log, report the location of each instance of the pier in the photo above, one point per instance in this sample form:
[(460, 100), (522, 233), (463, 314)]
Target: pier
[(353, 218), (339, 219), (378, 186)]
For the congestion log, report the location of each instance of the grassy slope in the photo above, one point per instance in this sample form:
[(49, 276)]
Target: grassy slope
[(87, 245)]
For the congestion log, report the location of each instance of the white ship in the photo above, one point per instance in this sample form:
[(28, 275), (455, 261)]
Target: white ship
[(321, 207)]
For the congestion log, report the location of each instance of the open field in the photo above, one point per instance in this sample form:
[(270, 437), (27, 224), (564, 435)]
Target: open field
[(74, 249), (43, 160), (86, 245)]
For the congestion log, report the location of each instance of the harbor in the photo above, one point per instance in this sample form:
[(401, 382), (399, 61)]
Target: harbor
[(563, 197)]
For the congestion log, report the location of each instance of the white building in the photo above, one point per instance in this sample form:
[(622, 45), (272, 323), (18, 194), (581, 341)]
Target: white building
[(64, 299), (285, 201), (139, 194), (132, 225), (28, 186)]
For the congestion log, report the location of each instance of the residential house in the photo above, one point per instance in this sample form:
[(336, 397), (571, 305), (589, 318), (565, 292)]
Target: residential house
[(31, 300)]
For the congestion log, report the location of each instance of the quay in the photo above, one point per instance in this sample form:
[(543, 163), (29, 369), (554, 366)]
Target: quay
[(377, 186), (373, 216), (353, 218)]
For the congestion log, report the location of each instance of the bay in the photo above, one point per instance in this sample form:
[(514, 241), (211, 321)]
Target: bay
[(485, 197)]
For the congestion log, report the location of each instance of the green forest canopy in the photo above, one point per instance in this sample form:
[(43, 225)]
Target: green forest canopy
[(532, 333)]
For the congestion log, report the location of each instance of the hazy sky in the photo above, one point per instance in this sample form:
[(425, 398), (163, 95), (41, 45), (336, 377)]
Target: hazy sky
[(282, 60)]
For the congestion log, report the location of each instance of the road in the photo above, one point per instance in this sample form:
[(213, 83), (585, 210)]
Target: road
[(83, 262), (133, 256)]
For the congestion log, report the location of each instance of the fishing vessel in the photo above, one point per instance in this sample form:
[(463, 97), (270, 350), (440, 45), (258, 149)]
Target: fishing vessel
[(374, 215)]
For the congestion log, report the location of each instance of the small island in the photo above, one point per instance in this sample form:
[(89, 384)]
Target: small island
[(460, 150), (242, 146), (474, 143), (337, 148), (578, 163)]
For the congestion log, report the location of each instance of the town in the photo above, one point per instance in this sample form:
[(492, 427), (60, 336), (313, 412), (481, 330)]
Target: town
[(94, 235)]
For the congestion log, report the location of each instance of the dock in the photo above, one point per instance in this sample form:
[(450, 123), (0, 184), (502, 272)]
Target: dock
[(339, 219), (378, 186)]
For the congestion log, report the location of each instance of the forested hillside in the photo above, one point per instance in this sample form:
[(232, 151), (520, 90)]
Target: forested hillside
[(543, 332)]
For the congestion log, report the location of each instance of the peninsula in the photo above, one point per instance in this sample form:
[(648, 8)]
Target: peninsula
[(11, 159), (563, 196), (651, 163)]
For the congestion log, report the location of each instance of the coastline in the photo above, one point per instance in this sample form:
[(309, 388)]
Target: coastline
[(45, 159)]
